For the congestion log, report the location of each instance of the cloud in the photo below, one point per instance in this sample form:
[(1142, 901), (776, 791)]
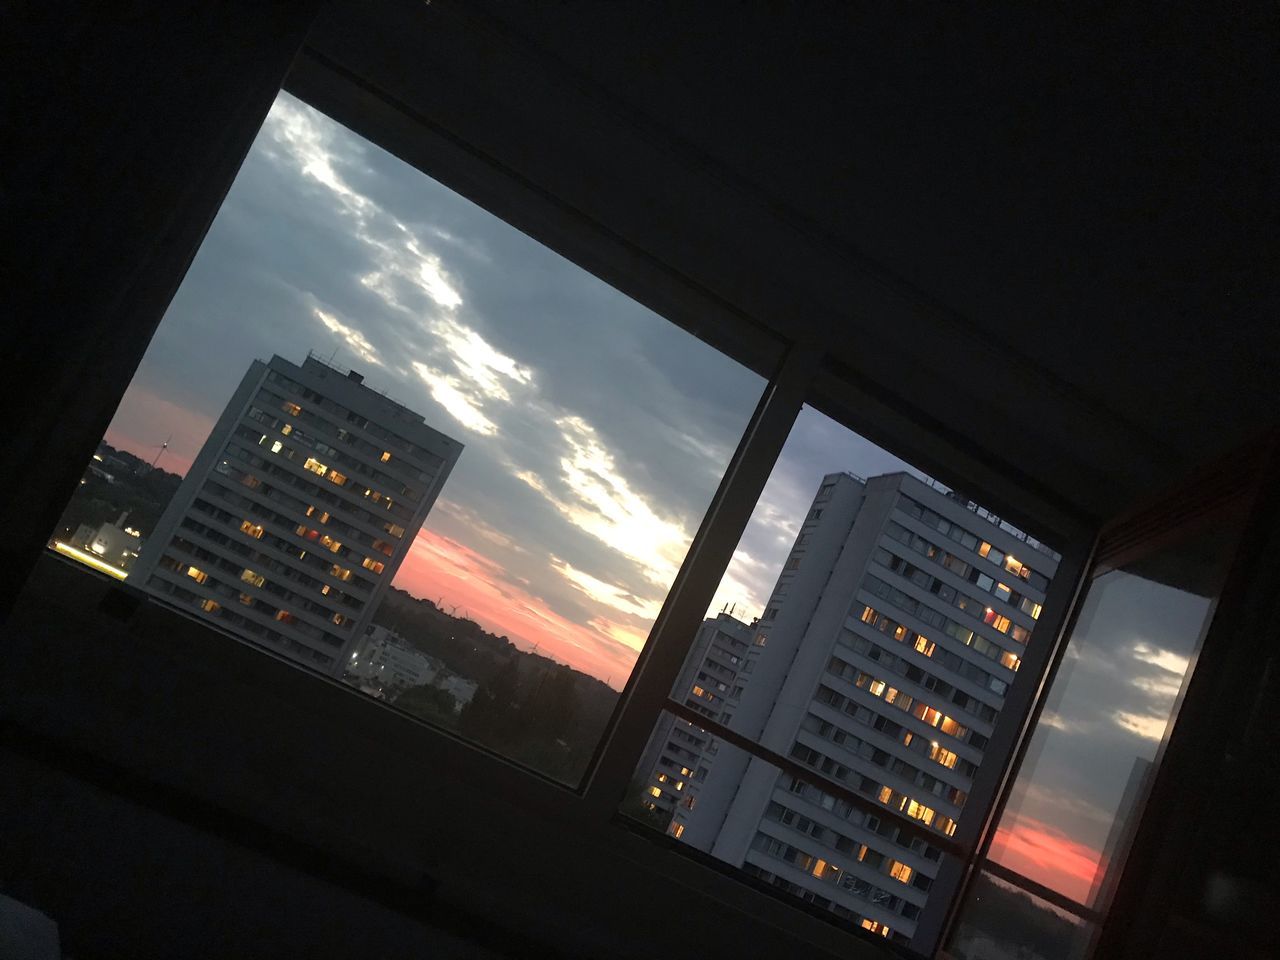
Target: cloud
[(1147, 726), (353, 338), (609, 594), (1166, 660)]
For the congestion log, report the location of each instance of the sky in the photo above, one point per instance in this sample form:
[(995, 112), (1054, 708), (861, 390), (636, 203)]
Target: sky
[(595, 436), (595, 432), (1106, 716)]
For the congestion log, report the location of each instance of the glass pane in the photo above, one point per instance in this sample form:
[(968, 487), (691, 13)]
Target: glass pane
[(1000, 921), (489, 549), (808, 846), (867, 631), (1077, 796)]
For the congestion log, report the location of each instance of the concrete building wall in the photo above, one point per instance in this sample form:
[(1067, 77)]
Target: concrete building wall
[(298, 510)]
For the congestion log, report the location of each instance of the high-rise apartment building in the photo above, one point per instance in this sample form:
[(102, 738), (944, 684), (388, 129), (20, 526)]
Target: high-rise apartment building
[(885, 651), (679, 754), (298, 510)]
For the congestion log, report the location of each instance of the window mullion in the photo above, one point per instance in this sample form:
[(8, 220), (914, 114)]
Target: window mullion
[(686, 604)]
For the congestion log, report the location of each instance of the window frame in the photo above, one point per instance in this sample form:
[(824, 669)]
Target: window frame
[(592, 806)]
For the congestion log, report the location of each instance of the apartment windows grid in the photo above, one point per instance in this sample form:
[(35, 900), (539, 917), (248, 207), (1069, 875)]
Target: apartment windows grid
[(910, 665), (298, 538)]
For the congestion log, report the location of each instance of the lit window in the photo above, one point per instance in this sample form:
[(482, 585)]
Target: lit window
[(196, 574), (333, 545), (252, 529), (819, 868), (277, 446), (325, 588), (386, 455), (377, 566), (677, 830), (885, 794), (246, 599), (209, 606), (284, 616), (698, 691), (342, 573), (876, 687), (900, 871), (291, 408), (655, 792), (1010, 660), (336, 477), (315, 466), (339, 619), (868, 615), (249, 576), (287, 429)]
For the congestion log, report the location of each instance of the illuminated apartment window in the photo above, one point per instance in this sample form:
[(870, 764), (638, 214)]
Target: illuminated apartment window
[(292, 409), (315, 466), (677, 830), (377, 566), (337, 478), (252, 529), (196, 574), (699, 692), (386, 456), (249, 576), (655, 792), (209, 606)]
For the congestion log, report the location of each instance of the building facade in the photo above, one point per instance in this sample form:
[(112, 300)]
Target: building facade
[(886, 649), (679, 755), (298, 510)]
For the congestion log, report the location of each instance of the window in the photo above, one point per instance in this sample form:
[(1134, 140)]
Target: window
[(252, 529), (315, 466), (209, 606), (196, 574), (887, 726), (250, 577)]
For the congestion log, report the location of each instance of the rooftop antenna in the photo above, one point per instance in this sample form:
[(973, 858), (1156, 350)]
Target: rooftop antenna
[(163, 447), (332, 356)]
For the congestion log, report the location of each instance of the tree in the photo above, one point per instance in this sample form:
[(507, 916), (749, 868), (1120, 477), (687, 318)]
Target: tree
[(430, 703)]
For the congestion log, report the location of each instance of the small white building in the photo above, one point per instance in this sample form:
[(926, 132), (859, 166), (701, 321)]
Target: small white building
[(115, 543), (384, 658)]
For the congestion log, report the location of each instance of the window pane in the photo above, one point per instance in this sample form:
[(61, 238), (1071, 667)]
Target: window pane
[(1091, 758), (489, 549), (807, 845), (999, 920), (858, 637)]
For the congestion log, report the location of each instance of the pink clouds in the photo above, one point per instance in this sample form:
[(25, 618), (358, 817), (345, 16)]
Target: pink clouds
[(439, 567), (1045, 854)]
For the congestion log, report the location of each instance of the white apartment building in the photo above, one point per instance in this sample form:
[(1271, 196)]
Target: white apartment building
[(890, 640), (384, 657), (298, 510), (679, 754)]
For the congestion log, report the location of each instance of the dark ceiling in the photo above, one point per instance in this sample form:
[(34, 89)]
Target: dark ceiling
[(1052, 229)]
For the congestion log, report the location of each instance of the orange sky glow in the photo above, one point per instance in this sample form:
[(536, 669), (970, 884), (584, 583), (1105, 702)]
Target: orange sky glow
[(438, 568), (1047, 855)]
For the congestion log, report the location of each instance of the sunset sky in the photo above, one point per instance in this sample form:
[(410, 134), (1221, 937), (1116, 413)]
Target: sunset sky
[(595, 436), (595, 431)]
